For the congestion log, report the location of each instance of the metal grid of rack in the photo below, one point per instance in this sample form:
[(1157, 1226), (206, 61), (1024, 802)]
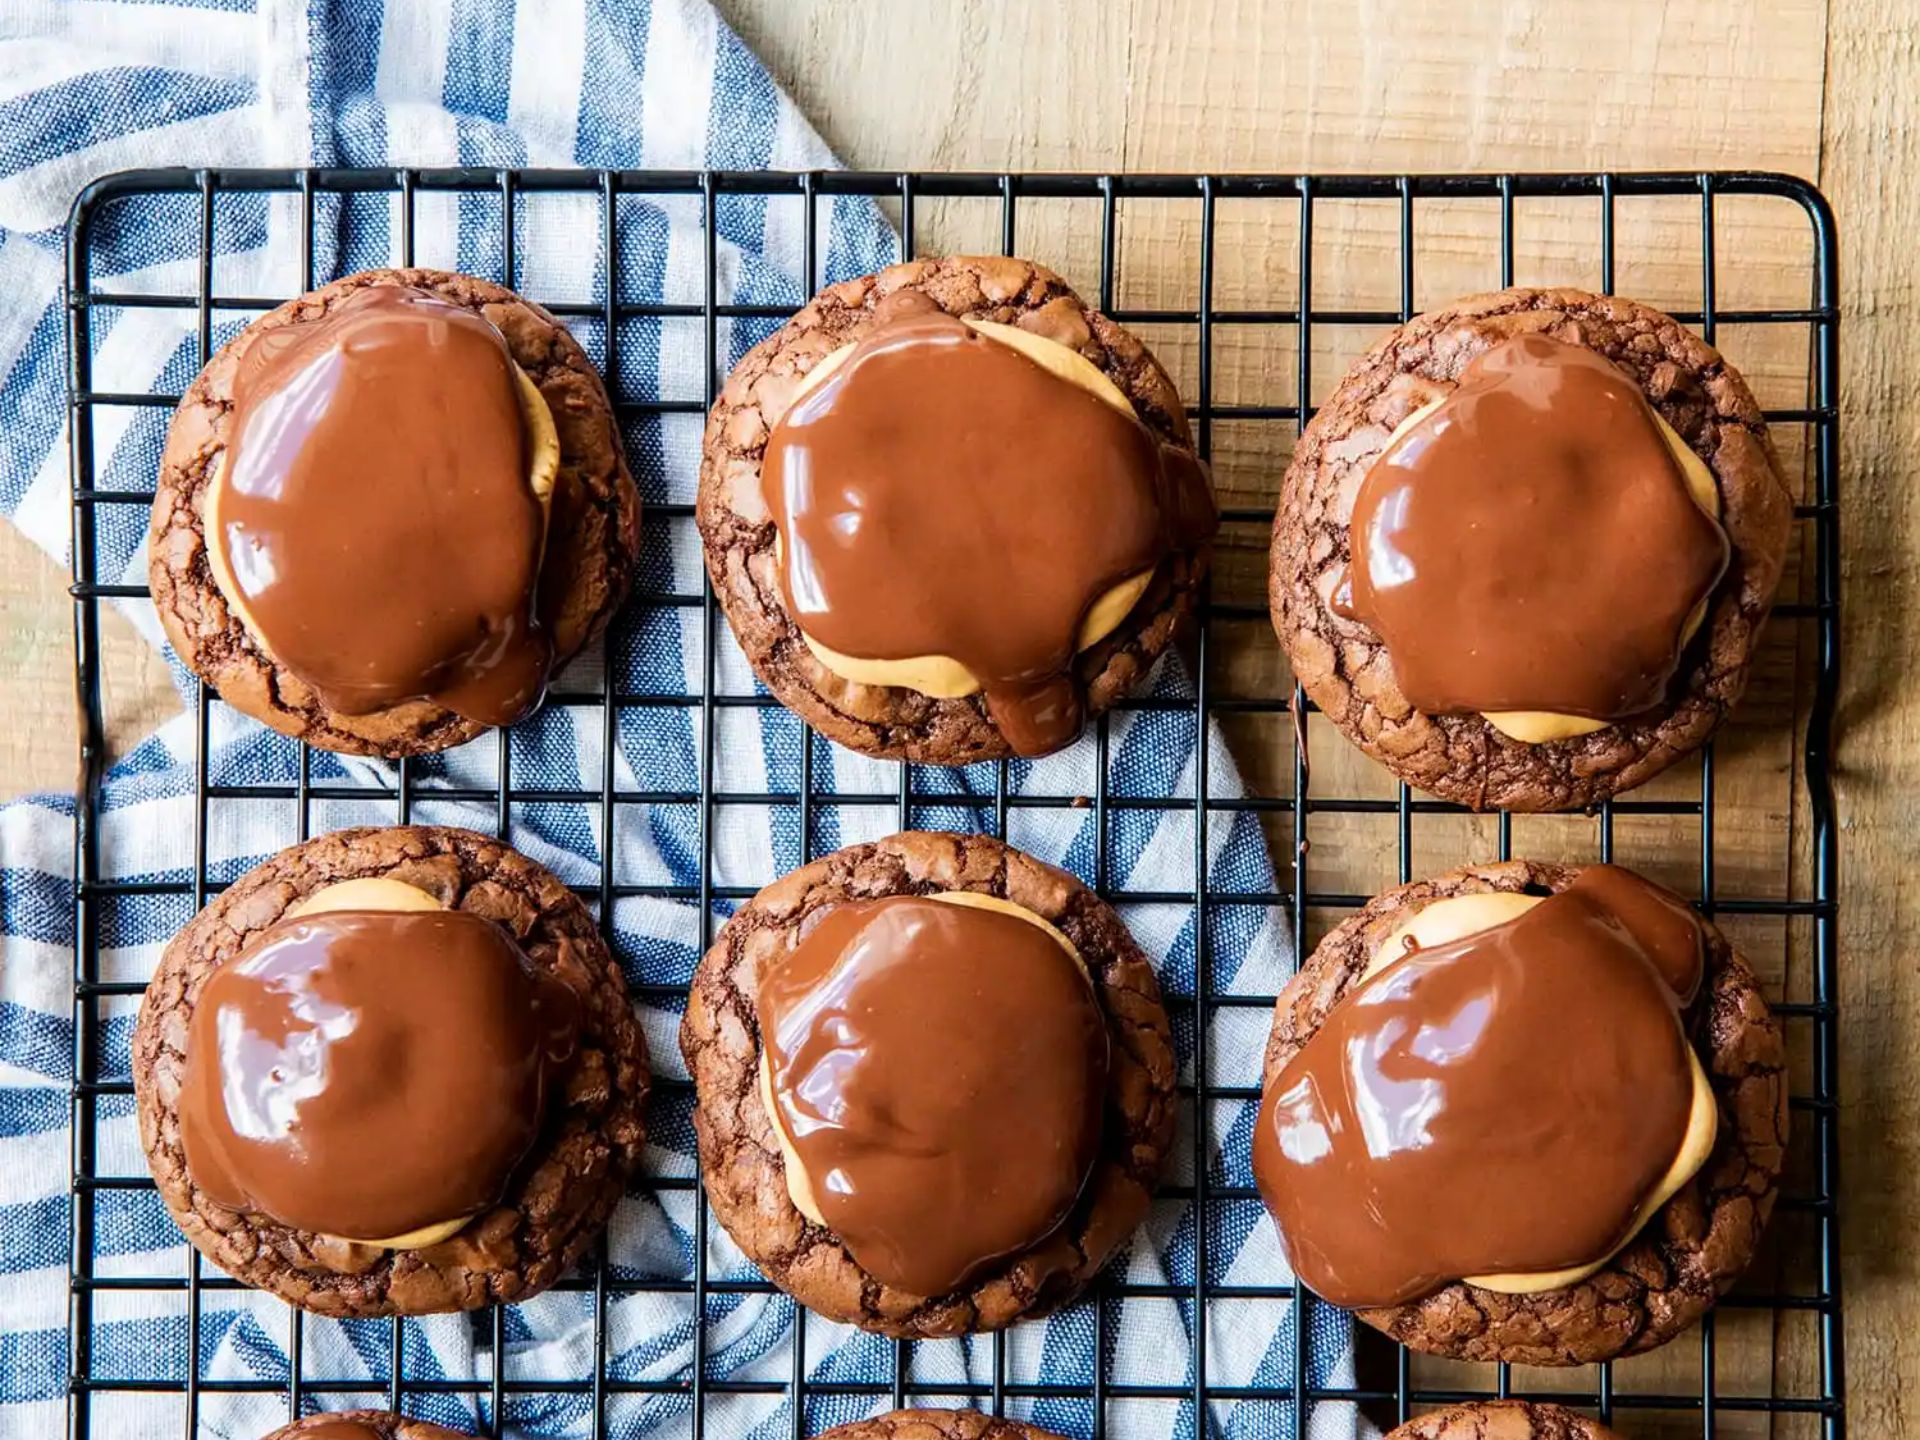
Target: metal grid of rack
[(1391, 1384)]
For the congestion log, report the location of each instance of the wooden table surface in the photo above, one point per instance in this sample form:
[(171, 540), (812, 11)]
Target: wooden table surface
[(1819, 88)]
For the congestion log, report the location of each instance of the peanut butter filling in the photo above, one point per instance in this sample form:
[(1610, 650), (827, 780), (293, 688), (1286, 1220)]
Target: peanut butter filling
[(1542, 529), (928, 1172), (1508, 1081), (908, 466), (327, 1077), (378, 518)]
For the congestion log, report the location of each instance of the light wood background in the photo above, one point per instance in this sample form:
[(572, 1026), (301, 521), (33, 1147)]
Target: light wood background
[(1819, 88)]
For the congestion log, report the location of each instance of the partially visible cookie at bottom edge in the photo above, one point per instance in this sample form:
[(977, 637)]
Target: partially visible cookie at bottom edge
[(1502, 1420), (356, 1424), (939, 1425)]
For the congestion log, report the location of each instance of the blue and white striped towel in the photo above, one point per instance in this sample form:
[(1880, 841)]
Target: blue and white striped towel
[(86, 89)]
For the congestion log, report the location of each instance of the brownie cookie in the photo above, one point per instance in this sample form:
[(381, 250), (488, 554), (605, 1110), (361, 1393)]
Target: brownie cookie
[(1690, 1248), (573, 553), (1460, 755), (937, 1425), (972, 1070), (362, 1425), (1502, 1420), (519, 1115), (946, 540)]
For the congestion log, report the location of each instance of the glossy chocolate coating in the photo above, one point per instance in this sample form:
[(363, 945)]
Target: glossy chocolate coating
[(1531, 544), (940, 1072), (942, 494), (376, 513), (1501, 1104), (370, 1073)]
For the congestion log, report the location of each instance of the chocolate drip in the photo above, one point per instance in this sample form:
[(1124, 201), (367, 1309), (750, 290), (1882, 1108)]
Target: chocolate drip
[(1663, 925), (940, 1071), (1531, 544), (942, 494), (1501, 1104), (367, 1074), (377, 516)]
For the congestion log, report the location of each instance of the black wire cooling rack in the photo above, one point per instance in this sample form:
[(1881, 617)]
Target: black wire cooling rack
[(1787, 1313)]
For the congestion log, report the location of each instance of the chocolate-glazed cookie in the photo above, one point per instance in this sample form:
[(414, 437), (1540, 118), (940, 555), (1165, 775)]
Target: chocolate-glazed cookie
[(937, 1425), (589, 1130), (745, 1160), (1693, 1246), (1502, 1420), (585, 560), (362, 1425), (1344, 664), (743, 541)]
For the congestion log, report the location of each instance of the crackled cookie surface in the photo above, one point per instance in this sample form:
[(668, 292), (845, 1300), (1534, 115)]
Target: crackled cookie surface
[(391, 1072), (937, 1425), (362, 1425), (1616, 1291), (920, 1173), (1564, 513), (1502, 1420)]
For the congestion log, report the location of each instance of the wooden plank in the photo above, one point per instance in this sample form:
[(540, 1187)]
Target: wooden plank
[(37, 752), (1871, 131)]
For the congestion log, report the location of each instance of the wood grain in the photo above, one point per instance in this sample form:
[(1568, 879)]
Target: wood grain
[(39, 747), (1871, 123)]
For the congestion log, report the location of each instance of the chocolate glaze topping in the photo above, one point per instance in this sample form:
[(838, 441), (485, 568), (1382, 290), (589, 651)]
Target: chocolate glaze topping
[(940, 1071), (942, 494), (1659, 922), (370, 1073), (1501, 1104), (1531, 544), (376, 514)]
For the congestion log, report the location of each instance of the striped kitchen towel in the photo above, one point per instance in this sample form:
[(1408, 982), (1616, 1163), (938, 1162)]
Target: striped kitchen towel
[(86, 89)]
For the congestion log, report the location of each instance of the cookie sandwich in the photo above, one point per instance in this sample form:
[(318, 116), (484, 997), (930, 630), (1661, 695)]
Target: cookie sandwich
[(934, 1084), (952, 512), (1523, 1112), (391, 1072), (1523, 552), (389, 510)]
